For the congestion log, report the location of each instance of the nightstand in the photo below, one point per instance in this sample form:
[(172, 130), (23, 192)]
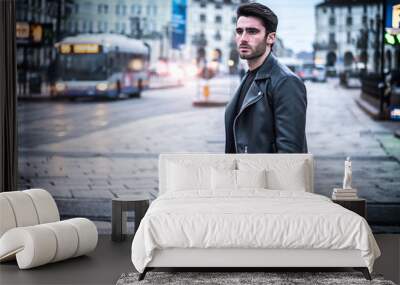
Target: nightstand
[(358, 205), (120, 206)]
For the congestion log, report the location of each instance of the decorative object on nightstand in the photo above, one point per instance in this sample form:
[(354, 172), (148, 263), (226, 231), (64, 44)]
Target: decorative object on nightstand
[(347, 192), (357, 205), (348, 174), (120, 206)]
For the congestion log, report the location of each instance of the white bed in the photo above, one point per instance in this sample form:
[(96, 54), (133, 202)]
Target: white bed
[(202, 220)]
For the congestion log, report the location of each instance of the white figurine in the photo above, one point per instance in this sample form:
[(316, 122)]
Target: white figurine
[(347, 174)]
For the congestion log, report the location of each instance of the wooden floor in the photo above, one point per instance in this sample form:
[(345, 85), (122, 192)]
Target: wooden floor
[(103, 266)]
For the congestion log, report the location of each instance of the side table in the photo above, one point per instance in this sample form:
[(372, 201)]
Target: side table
[(120, 207), (358, 206)]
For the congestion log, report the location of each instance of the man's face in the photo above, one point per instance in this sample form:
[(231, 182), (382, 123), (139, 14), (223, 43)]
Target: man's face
[(251, 38)]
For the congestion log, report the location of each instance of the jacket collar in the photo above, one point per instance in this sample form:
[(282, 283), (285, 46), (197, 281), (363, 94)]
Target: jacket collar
[(263, 73), (266, 68)]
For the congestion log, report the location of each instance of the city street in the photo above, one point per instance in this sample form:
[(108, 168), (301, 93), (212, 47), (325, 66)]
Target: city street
[(87, 152)]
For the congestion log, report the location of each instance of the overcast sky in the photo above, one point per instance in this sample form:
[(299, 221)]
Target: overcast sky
[(296, 25)]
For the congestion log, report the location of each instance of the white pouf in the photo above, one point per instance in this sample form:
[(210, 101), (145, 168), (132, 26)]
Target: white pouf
[(31, 230)]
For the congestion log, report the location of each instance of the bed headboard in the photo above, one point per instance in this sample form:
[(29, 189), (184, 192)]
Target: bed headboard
[(205, 158)]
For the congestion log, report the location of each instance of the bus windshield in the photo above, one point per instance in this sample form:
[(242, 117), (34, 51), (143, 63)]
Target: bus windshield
[(82, 66)]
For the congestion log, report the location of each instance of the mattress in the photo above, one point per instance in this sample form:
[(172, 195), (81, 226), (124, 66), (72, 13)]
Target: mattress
[(250, 219)]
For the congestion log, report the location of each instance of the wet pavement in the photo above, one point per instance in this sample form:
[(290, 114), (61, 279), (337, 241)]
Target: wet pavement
[(89, 165)]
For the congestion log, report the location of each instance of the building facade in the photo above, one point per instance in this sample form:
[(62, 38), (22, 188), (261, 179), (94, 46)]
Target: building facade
[(211, 32), (40, 23), (348, 36)]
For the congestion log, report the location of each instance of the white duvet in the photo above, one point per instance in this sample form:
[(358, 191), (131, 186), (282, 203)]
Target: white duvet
[(250, 219)]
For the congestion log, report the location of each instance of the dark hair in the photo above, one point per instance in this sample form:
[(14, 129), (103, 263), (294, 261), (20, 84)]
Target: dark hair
[(265, 14)]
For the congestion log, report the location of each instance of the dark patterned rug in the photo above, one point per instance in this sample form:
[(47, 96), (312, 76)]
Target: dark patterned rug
[(242, 278)]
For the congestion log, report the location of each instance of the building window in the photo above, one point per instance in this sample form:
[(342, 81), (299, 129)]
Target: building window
[(117, 9), (202, 18), (349, 21), (148, 9), (100, 26), (139, 10), (203, 4), (217, 36), (105, 8), (76, 8), (331, 38), (364, 20), (324, 10), (123, 10), (105, 26), (332, 21), (76, 26), (233, 20), (133, 9), (332, 10), (218, 5), (122, 28), (348, 37), (218, 19), (100, 8), (117, 27), (365, 9), (349, 9), (154, 10)]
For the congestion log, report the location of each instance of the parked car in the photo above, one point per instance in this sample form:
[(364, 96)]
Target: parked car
[(319, 73), (306, 71)]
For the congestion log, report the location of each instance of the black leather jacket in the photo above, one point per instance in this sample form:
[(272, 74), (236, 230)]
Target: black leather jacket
[(252, 130)]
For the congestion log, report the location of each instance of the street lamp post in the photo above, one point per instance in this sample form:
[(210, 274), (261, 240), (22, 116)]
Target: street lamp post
[(381, 32)]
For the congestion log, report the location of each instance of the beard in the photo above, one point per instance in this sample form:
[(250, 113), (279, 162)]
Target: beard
[(254, 53)]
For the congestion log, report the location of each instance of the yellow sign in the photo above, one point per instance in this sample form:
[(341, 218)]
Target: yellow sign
[(396, 16), (37, 33), (22, 30), (64, 48), (86, 48)]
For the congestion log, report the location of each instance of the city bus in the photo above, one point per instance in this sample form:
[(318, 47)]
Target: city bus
[(100, 65)]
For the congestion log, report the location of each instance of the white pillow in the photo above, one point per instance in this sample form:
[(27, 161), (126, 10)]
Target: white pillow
[(188, 177), (226, 179), (223, 179), (282, 174), (251, 178), (293, 180), (184, 174)]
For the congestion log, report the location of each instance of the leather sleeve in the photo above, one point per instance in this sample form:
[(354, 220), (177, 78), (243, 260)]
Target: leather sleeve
[(290, 104)]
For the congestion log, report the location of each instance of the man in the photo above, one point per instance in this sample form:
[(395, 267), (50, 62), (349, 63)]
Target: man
[(268, 112)]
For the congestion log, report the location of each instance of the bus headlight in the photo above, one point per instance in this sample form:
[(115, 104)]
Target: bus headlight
[(102, 86), (60, 87)]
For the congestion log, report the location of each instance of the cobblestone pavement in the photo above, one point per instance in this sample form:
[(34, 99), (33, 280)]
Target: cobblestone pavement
[(85, 173)]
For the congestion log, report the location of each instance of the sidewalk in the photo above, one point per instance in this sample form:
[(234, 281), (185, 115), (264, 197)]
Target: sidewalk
[(84, 174)]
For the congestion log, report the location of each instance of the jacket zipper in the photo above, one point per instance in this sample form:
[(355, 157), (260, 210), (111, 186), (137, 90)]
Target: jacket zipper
[(237, 116)]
